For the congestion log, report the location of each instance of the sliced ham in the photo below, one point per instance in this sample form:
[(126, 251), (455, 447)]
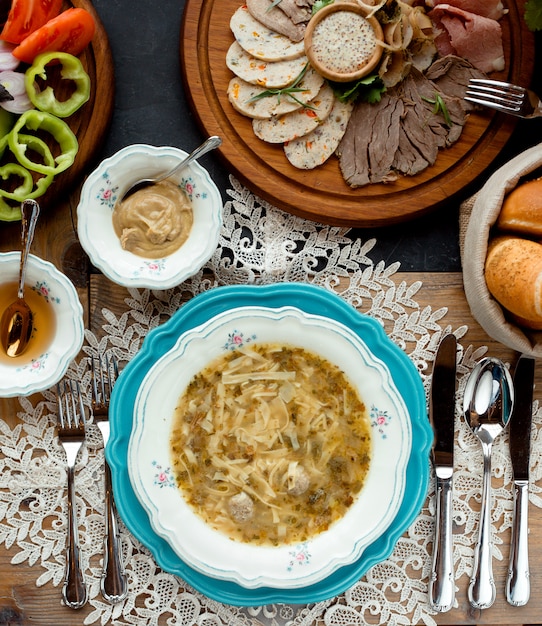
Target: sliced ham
[(473, 37), (493, 9)]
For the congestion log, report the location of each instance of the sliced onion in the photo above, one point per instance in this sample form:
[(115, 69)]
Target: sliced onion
[(7, 60), (14, 83)]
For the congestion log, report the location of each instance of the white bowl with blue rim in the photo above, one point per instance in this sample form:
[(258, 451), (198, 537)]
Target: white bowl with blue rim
[(113, 176), (212, 552), (35, 371), (198, 311)]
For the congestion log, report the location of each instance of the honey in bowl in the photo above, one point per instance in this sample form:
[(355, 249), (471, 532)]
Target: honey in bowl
[(44, 323)]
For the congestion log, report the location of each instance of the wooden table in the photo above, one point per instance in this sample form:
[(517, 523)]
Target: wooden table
[(21, 602)]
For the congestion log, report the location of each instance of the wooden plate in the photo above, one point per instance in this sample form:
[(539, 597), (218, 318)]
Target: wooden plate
[(91, 121), (321, 194)]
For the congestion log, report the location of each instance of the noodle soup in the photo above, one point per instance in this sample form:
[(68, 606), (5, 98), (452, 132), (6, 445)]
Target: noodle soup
[(270, 444)]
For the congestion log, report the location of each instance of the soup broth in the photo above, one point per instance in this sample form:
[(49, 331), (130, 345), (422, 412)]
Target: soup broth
[(44, 323), (270, 445)]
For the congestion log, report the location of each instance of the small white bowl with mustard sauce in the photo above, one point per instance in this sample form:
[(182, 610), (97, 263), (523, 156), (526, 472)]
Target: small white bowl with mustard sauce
[(158, 237), (343, 42), (58, 331)]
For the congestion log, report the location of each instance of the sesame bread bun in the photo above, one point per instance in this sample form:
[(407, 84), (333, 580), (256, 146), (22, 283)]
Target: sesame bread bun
[(513, 273), (521, 211)]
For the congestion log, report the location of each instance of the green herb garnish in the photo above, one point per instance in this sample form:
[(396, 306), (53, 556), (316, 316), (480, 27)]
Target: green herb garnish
[(367, 89), (440, 107), (533, 14), (286, 91), (320, 4)]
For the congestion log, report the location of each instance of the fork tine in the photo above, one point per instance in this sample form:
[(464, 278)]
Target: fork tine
[(60, 396), (509, 87), (103, 377), (498, 95), (71, 410)]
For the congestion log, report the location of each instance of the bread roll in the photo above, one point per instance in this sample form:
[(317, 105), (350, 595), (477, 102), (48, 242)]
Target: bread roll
[(513, 273), (522, 209)]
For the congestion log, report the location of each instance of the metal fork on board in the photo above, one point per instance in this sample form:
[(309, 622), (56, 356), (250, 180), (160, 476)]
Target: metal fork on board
[(504, 97), (71, 434), (114, 584)]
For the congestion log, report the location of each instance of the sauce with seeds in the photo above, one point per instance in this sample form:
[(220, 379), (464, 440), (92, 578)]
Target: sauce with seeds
[(343, 42)]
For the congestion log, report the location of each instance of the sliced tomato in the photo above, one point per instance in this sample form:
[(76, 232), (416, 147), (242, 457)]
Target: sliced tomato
[(71, 32), (26, 16)]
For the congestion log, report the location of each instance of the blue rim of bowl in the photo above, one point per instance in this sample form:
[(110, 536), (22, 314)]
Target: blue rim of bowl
[(310, 299)]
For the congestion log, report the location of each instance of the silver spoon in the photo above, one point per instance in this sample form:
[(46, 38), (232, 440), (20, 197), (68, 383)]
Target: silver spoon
[(487, 406), (18, 320), (209, 144)]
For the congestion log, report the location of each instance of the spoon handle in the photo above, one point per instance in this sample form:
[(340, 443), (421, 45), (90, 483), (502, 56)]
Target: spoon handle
[(482, 589), (518, 586), (30, 211), (209, 144)]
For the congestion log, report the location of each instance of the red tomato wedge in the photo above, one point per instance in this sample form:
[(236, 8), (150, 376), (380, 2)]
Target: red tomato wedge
[(71, 32), (26, 16)]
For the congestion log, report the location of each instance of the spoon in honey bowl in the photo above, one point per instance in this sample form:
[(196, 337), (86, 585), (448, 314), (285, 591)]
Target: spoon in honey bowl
[(487, 406), (209, 144), (17, 320)]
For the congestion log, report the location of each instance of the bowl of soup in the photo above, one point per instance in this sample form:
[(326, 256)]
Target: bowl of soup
[(58, 329), (269, 447), (159, 236)]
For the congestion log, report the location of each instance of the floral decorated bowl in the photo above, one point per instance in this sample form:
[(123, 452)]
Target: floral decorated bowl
[(286, 565), (58, 320), (110, 180)]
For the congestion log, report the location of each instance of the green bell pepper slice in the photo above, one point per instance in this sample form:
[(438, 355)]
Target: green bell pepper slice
[(54, 126), (36, 188), (9, 213), (46, 100)]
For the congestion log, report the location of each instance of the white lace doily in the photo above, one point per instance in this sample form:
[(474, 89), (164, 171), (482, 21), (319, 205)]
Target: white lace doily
[(259, 244)]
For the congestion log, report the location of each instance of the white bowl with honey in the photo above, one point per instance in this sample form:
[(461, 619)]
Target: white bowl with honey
[(58, 330)]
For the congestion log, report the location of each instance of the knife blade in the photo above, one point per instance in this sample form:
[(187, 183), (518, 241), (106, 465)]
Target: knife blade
[(518, 588), (442, 418)]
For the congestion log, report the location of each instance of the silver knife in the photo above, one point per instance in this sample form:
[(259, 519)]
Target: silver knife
[(442, 417), (518, 587)]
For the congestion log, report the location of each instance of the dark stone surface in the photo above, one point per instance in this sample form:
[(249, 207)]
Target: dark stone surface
[(151, 108)]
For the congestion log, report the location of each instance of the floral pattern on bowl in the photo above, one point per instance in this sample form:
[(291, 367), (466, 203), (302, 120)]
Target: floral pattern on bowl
[(109, 181), (211, 552), (22, 378)]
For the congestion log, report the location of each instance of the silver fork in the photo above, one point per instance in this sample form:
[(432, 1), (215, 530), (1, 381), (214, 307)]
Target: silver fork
[(114, 584), (504, 97), (71, 434)]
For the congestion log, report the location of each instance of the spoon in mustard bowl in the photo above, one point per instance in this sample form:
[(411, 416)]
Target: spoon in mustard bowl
[(17, 321), (209, 144), (487, 406)]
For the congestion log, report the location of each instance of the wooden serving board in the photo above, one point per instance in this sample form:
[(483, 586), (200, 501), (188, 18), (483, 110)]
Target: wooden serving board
[(91, 121), (321, 194)]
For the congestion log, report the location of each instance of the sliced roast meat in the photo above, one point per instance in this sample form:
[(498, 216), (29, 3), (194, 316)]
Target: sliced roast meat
[(452, 74), (372, 138), (473, 37), (275, 19), (298, 13), (493, 9), (402, 134), (408, 159)]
